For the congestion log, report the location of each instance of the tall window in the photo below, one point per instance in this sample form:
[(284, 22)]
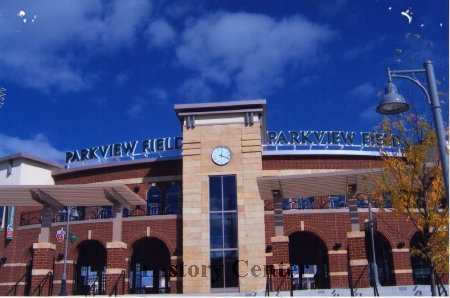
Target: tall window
[(2, 216), (153, 201), (223, 231), (173, 199)]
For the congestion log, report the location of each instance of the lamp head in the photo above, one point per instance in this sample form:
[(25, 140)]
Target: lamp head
[(392, 102)]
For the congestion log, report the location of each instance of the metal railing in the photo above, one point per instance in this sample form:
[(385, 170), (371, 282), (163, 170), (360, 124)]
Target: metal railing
[(440, 285), (40, 287), (35, 217), (14, 287), (115, 288), (333, 202)]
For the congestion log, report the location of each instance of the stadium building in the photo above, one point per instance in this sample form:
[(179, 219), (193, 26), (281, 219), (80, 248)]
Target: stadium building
[(227, 205)]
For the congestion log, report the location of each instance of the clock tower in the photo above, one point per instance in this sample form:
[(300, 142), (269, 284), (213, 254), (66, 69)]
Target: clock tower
[(223, 214)]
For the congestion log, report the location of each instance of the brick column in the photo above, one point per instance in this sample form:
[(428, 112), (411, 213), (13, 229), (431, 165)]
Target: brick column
[(402, 266), (281, 266), (43, 260), (358, 259), (116, 263), (337, 260)]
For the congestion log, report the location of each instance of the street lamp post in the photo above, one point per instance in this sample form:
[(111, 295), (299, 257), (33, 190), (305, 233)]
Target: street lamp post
[(393, 103), (63, 289), (376, 281)]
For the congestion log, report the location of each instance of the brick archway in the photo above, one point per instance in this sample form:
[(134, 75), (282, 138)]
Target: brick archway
[(308, 254), (149, 266)]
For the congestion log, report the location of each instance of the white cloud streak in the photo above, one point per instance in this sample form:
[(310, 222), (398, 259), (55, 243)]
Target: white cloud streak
[(248, 52), (363, 92), (38, 146), (160, 34), (47, 54)]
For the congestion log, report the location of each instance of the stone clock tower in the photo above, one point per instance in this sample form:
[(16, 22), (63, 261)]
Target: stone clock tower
[(223, 214)]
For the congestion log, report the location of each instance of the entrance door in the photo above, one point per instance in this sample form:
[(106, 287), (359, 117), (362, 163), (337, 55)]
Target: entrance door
[(383, 256), (149, 267), (308, 256), (91, 267)]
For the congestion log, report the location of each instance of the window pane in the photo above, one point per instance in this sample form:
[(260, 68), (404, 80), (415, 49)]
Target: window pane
[(230, 230), (173, 199), (215, 193), (1, 215), (215, 221), (229, 193), (217, 269), (231, 269), (337, 202), (286, 204), (153, 201), (104, 212)]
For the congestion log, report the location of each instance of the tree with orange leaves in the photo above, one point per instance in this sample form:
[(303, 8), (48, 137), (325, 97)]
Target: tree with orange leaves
[(411, 179)]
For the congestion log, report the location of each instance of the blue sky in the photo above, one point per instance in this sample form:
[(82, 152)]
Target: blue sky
[(87, 73)]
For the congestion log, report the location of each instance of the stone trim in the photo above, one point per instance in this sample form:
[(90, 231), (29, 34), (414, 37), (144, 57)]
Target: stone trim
[(35, 272), (14, 265), (338, 273), (337, 252), (44, 246), (115, 270), (269, 254), (22, 283), (356, 234), (359, 262), (279, 239), (281, 266), (116, 244), (176, 257), (58, 281), (403, 271), (68, 262), (400, 250)]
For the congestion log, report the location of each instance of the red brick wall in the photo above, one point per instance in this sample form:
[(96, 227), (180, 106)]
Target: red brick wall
[(150, 169), (318, 162)]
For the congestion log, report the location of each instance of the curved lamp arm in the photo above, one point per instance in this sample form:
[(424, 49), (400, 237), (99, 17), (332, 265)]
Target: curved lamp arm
[(415, 81)]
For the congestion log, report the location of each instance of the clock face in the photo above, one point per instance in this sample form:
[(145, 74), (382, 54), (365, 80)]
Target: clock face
[(221, 155)]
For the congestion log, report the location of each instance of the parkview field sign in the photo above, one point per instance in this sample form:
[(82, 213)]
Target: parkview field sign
[(299, 139), (126, 149), (341, 139)]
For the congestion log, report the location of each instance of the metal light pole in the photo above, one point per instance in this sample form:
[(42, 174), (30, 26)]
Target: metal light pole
[(393, 103), (63, 290), (376, 281)]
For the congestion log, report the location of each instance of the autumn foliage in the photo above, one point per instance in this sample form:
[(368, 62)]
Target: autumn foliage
[(411, 179)]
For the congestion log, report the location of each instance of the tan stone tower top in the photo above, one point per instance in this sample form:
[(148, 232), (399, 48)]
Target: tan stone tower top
[(239, 126)]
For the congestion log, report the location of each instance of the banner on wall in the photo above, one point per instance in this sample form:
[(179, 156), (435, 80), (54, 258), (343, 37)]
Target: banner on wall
[(10, 223)]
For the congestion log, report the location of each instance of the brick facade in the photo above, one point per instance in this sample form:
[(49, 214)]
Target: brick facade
[(346, 251)]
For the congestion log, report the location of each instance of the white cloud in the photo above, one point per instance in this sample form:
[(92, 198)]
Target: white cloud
[(160, 34), (136, 109), (363, 92), (46, 54), (38, 146), (370, 115), (249, 52), (195, 89)]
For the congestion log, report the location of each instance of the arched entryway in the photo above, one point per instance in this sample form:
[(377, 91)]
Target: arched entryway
[(150, 263), (308, 256), (90, 269), (383, 256), (420, 266)]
